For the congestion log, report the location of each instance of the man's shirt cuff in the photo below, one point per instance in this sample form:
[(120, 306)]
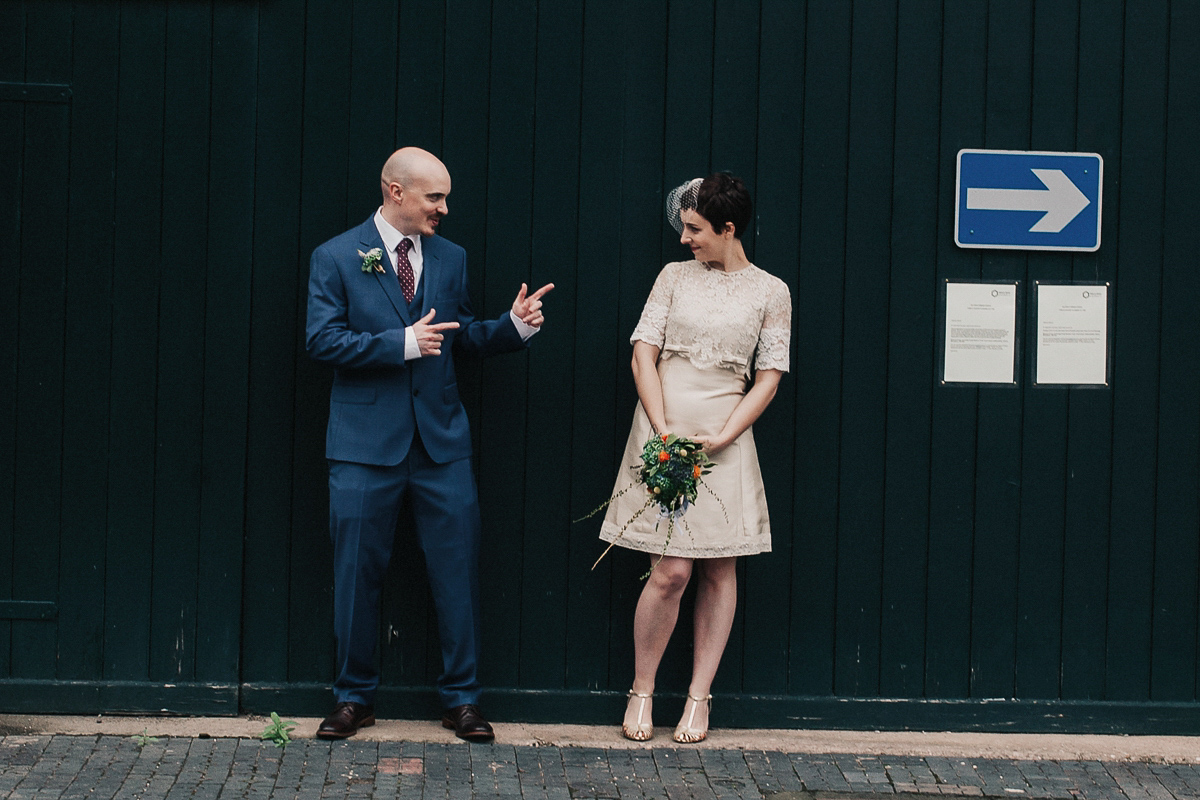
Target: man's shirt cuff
[(411, 348), (526, 331)]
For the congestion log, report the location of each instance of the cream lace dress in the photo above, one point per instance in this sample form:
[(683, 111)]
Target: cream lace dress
[(709, 324)]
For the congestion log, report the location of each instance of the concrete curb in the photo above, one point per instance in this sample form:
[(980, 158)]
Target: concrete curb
[(1017, 746)]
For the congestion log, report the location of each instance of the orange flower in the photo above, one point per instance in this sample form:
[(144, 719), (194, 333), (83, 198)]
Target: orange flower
[(696, 471), (664, 437), (664, 456)]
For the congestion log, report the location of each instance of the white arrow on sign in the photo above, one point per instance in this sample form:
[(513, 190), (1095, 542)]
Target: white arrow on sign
[(1061, 200)]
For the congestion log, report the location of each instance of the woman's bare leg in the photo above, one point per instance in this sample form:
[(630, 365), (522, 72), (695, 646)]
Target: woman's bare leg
[(654, 621), (716, 602)]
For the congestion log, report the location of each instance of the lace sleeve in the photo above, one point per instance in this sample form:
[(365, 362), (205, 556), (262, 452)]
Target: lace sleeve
[(652, 327), (774, 339)]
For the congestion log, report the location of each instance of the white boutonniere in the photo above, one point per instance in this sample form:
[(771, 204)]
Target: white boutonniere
[(372, 259)]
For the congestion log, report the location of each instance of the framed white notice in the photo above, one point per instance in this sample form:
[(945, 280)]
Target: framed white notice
[(1072, 334), (980, 333)]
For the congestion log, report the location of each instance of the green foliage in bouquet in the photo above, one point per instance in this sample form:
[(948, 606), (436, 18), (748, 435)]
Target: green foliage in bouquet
[(672, 470)]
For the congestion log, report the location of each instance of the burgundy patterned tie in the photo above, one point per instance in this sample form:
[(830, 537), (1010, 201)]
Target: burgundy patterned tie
[(404, 270)]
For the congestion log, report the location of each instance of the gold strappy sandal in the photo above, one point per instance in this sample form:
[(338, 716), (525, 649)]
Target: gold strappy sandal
[(686, 732), (641, 730)]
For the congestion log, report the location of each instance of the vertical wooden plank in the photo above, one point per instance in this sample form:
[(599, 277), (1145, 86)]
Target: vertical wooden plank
[(503, 468), (40, 337), (998, 459), (402, 86), (639, 225), (698, 67), (12, 43), (819, 319), (1089, 457), (420, 71), (12, 137), (1086, 546), (180, 358), (548, 579), (86, 359), (373, 96), (137, 269), (226, 333), (276, 333), (1039, 581), (735, 102), (412, 646), (324, 192), (687, 136), (465, 140), (1176, 554), (780, 117), (864, 355), (1136, 377), (736, 58), (466, 112), (465, 152), (953, 446), (644, 128), (910, 366), (601, 358)]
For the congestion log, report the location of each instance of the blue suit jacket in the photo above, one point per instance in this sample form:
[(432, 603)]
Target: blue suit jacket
[(356, 323)]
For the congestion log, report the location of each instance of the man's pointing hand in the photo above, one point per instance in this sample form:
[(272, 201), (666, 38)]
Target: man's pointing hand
[(429, 334)]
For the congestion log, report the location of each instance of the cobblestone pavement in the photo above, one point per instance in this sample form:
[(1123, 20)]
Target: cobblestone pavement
[(101, 767)]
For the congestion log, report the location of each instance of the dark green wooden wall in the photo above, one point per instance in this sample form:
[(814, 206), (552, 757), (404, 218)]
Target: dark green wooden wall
[(167, 167)]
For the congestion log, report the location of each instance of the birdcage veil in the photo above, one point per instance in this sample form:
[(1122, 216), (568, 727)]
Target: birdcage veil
[(682, 197)]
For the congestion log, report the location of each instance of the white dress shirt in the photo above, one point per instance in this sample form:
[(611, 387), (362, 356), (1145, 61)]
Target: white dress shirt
[(391, 239)]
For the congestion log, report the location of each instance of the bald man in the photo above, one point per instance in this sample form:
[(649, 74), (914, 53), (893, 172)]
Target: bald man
[(387, 303)]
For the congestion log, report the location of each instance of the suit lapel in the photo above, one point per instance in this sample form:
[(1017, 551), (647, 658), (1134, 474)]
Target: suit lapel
[(387, 279), (431, 274)]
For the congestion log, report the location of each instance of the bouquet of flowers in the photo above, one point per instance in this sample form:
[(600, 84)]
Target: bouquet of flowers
[(672, 470)]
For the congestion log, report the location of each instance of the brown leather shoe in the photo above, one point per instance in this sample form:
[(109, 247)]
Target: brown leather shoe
[(345, 720), (467, 723)]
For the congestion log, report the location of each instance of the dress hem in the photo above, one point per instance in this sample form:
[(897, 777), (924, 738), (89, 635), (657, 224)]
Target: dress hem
[(744, 549)]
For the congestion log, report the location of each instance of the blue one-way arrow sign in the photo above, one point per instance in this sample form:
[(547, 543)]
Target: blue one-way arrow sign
[(1019, 200)]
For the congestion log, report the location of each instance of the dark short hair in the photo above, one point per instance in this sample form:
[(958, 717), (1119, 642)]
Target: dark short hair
[(724, 198)]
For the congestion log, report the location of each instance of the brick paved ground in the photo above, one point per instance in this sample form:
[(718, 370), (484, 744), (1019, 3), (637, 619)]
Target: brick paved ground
[(101, 767)]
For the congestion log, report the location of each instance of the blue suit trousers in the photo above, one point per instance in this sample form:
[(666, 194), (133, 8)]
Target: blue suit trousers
[(364, 504)]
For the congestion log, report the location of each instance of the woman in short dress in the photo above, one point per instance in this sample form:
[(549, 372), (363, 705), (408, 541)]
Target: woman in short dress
[(708, 353)]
